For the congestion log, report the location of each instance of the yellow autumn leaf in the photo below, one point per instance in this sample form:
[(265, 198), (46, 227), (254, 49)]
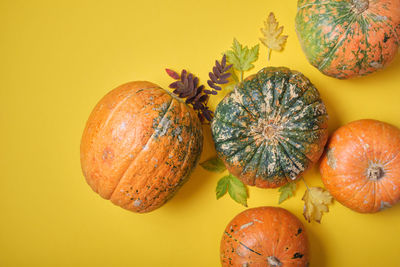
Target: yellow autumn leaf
[(316, 201), (272, 35)]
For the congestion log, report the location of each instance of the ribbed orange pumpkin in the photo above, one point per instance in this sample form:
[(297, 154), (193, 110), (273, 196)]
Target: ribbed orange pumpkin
[(139, 146), (361, 168), (265, 236)]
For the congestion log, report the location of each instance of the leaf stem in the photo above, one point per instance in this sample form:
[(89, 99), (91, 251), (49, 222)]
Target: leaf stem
[(269, 53), (304, 181), (241, 76)]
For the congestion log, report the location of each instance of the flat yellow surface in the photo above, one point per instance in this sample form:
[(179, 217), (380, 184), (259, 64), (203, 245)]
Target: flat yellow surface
[(58, 58)]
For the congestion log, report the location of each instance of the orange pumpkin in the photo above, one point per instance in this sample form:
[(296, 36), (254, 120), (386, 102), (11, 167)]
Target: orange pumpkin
[(139, 146), (265, 236), (361, 168), (349, 38)]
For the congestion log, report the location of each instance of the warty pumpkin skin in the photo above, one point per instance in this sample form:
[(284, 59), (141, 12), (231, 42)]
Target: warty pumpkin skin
[(265, 236), (139, 146), (361, 168), (271, 128), (349, 38)]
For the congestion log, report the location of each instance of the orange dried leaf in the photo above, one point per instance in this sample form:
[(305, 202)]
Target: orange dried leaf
[(316, 201), (272, 34)]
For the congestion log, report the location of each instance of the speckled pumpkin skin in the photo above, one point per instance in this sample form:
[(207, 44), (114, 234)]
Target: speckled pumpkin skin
[(254, 237), (139, 146), (352, 151), (271, 128), (349, 38)]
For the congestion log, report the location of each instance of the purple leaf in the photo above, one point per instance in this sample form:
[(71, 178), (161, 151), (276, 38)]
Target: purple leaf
[(172, 74), (174, 85), (227, 68), (223, 81), (212, 77), (219, 67), (195, 82), (183, 75), (225, 76), (223, 61)]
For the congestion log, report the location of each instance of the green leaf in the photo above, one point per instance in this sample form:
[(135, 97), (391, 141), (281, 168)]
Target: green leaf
[(214, 165), (234, 75), (287, 191), (242, 57), (230, 87), (222, 186), (236, 189)]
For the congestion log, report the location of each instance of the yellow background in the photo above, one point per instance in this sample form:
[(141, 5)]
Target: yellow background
[(58, 58)]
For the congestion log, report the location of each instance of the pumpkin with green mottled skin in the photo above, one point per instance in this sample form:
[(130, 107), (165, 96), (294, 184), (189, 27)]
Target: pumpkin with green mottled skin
[(271, 128), (139, 146), (349, 38)]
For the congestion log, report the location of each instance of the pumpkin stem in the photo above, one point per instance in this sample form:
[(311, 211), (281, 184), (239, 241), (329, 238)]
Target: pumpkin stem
[(375, 172), (269, 131), (273, 261), (361, 5)]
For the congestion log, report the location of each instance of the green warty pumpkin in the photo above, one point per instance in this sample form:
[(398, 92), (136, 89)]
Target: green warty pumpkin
[(271, 128)]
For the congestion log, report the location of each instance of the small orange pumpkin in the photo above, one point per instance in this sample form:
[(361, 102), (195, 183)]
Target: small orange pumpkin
[(361, 168), (265, 236), (139, 146)]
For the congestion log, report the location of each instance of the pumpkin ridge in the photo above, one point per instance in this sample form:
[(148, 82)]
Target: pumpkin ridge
[(294, 100), (291, 105), (307, 131), (279, 170), (251, 141), (358, 191), (300, 169), (265, 91), (245, 93), (262, 168), (233, 138), (119, 105), (229, 134), (241, 243), (243, 106), (230, 123), (328, 57), (306, 115), (259, 88), (248, 162), (104, 127), (285, 82), (280, 234), (152, 188), (387, 192), (314, 120), (134, 158), (392, 159), (394, 32), (297, 149), (281, 167), (364, 30), (186, 171), (360, 139), (375, 198), (260, 85), (297, 138)]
